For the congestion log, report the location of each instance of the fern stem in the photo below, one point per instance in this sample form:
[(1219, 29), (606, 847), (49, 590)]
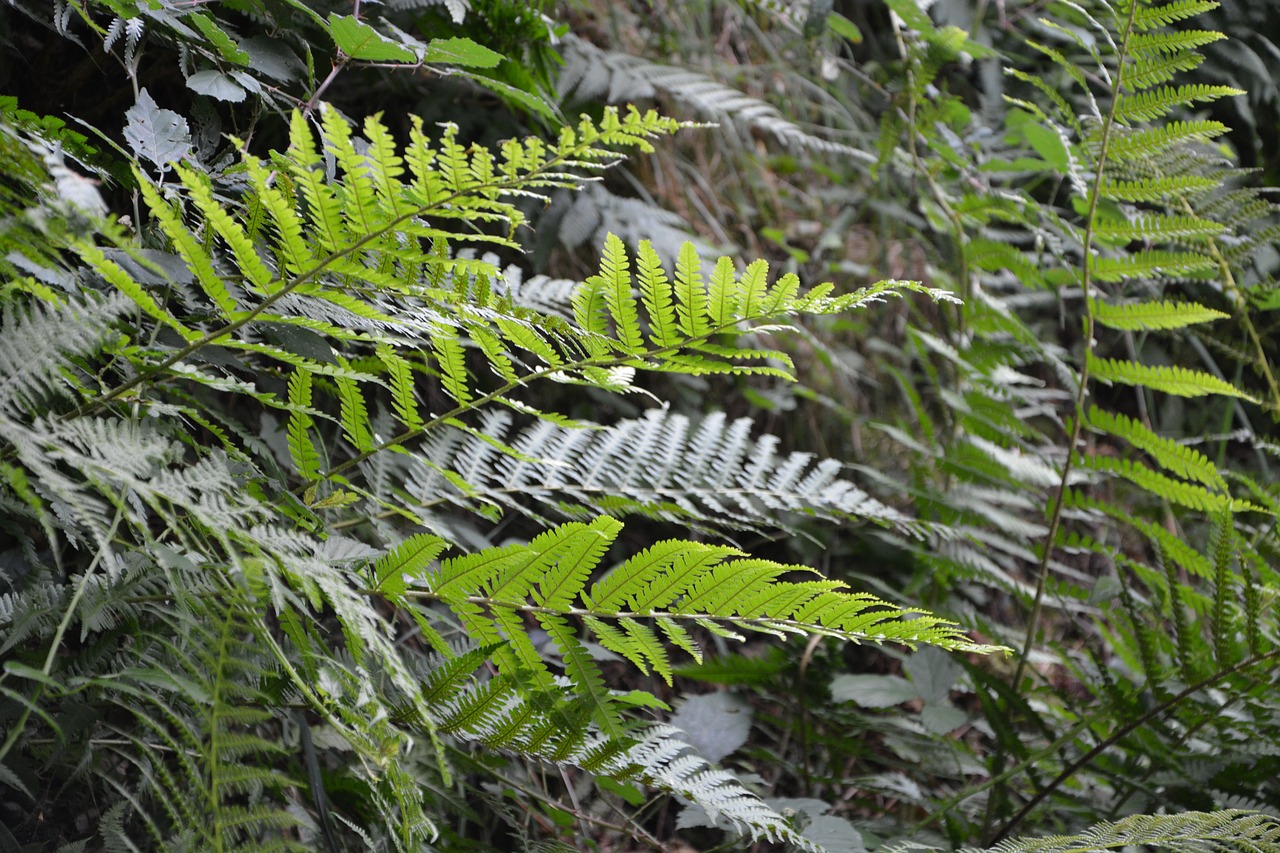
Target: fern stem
[(1229, 283), (778, 626), (1077, 423), (1123, 732), (1086, 284)]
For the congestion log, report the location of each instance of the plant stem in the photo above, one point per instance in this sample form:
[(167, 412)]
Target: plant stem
[(1082, 392), (1123, 732)]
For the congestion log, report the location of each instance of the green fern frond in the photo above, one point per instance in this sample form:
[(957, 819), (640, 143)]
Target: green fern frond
[(1146, 264), (1140, 316), (614, 281), (1155, 190), (1170, 379), (680, 582), (1150, 16), (1162, 68), (306, 458), (1224, 590), (1157, 103), (354, 414), (189, 247), (1178, 41), (402, 391), (1184, 461), (122, 281), (1175, 491), (1153, 228), (1148, 142)]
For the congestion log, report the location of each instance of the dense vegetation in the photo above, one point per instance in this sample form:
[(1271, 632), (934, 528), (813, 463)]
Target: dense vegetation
[(432, 424)]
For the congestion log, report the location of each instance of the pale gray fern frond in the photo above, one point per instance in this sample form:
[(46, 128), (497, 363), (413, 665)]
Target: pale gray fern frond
[(591, 72), (549, 296), (38, 343), (711, 474), (30, 612), (718, 792), (90, 469), (657, 757), (589, 215)]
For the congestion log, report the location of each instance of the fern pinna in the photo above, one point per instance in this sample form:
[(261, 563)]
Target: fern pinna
[(209, 424), (1148, 557)]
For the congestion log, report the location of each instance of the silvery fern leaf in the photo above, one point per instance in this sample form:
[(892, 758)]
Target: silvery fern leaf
[(714, 474), (37, 344)]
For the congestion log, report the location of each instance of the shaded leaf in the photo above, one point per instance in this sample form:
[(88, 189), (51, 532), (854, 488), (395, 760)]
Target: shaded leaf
[(156, 134)]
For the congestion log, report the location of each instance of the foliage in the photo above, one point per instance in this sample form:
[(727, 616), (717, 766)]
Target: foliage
[(193, 413), (1112, 261), (328, 524)]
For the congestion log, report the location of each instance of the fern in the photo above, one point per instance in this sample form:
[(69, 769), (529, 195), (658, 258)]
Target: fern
[(661, 466), (255, 458), (335, 315), (1142, 233), (1169, 379), (1224, 830), (591, 72), (1154, 315), (657, 597)]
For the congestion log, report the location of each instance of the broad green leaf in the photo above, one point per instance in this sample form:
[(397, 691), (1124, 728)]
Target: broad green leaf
[(715, 724), (462, 51), (933, 672), (843, 27), (873, 691), (358, 40), (217, 85)]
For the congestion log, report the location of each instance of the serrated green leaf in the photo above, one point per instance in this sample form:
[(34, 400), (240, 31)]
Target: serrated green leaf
[(1179, 381), (306, 458), (1140, 316), (358, 40), (463, 52)]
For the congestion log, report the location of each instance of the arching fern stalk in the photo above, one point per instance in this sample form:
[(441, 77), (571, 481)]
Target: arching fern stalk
[(1144, 232), (179, 479)]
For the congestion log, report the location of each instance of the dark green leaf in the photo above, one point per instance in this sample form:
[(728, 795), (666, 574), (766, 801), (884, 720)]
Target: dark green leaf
[(461, 51), (358, 40)]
